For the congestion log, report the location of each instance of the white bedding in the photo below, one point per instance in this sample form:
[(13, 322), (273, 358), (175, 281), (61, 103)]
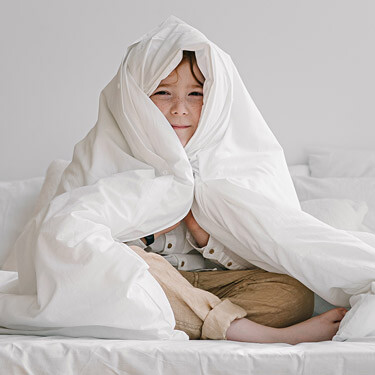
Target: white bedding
[(61, 355), (354, 188), (87, 356)]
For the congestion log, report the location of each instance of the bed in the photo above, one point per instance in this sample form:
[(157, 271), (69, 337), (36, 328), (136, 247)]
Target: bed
[(335, 186)]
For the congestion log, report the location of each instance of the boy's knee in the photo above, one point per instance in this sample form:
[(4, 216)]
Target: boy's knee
[(301, 303), (148, 257), (155, 261), (139, 251), (290, 302)]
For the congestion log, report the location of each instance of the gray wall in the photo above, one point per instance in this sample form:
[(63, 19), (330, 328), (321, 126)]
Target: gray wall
[(309, 66)]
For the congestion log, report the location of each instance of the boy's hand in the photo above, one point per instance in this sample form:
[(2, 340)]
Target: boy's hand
[(199, 234)]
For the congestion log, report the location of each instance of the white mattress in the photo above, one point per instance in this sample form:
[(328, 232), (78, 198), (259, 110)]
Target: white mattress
[(58, 355)]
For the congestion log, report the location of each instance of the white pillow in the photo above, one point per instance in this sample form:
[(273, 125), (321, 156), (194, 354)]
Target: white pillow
[(338, 213), (17, 200), (355, 189), (342, 163), (299, 170), (44, 195)]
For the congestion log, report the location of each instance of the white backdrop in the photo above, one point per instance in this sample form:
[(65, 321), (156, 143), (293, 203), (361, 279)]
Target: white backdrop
[(309, 66)]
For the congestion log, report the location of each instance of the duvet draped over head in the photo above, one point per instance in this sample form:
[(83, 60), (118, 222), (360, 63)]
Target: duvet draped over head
[(232, 143), (130, 177), (232, 139)]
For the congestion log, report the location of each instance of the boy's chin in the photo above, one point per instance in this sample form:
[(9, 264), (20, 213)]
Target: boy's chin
[(183, 141)]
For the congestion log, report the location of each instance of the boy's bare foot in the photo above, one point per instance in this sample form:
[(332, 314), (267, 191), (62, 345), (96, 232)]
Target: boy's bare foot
[(319, 328)]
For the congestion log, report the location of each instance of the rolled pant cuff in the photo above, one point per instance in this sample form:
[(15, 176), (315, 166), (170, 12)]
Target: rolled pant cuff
[(218, 320)]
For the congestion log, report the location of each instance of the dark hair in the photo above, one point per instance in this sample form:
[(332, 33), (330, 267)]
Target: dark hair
[(190, 56)]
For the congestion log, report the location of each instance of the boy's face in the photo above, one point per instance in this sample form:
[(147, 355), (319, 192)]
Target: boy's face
[(180, 98)]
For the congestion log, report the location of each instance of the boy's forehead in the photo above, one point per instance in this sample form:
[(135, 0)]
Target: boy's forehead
[(173, 78)]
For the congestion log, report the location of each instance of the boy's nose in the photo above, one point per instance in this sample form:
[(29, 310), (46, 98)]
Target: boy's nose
[(179, 107)]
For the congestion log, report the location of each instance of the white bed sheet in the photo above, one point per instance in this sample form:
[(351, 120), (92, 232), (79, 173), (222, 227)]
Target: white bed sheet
[(63, 356)]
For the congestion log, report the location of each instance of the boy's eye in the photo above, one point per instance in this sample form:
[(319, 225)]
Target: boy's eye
[(194, 93)]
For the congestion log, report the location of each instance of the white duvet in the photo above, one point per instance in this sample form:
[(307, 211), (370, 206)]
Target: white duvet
[(130, 177)]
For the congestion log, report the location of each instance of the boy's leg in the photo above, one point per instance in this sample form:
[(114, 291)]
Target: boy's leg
[(270, 299), (197, 312)]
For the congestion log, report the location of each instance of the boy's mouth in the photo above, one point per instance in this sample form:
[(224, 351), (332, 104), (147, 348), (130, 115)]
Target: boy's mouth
[(175, 126)]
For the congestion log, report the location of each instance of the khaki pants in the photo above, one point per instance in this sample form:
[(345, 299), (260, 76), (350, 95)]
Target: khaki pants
[(205, 303)]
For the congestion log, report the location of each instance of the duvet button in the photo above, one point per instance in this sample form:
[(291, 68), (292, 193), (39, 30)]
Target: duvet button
[(211, 251), (182, 263), (229, 264), (169, 245)]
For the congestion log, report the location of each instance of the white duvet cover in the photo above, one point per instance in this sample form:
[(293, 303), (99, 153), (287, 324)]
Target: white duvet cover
[(130, 177)]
